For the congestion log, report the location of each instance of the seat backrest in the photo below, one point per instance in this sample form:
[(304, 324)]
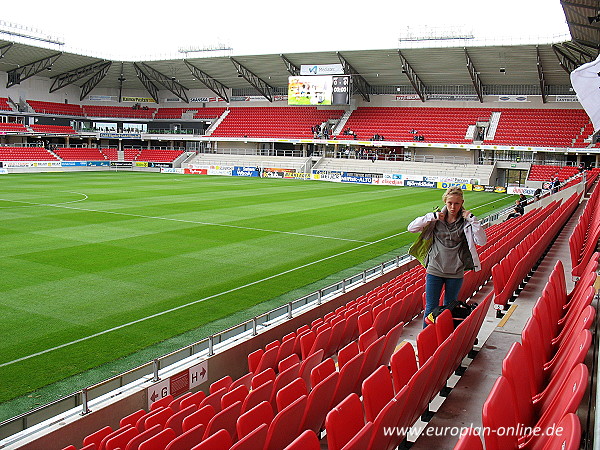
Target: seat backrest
[(569, 438), (307, 365), (262, 377), (132, 418), (187, 439), (366, 338), (217, 441), (134, 443), (372, 357), (344, 421), (322, 371), (286, 425), (288, 361), (361, 440), (319, 402), (377, 391), (158, 441), (290, 393), (97, 436), (348, 378), (224, 382), (283, 379), (237, 394), (499, 414), (194, 399), (268, 360), (254, 440), (260, 394), (404, 365), (308, 440), (347, 353), (444, 326), (160, 418), (200, 417), (164, 402), (469, 440), (214, 399), (391, 341), (226, 420), (426, 344), (121, 440), (253, 418)]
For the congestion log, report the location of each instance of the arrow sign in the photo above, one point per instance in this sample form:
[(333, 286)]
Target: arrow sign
[(198, 374), (158, 391)]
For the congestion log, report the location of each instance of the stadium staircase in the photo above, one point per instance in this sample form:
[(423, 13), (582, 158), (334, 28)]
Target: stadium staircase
[(213, 126)]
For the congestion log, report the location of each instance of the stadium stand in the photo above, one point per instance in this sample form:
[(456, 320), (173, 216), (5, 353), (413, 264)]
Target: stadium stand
[(26, 154), (63, 109), (53, 129), (80, 154), (13, 127), (157, 155), (4, 105), (118, 111), (275, 122)]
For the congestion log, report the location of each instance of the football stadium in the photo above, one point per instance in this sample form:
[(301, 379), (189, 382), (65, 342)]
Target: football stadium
[(212, 251)]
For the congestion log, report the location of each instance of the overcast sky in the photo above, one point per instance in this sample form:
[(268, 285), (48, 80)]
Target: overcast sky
[(134, 30)]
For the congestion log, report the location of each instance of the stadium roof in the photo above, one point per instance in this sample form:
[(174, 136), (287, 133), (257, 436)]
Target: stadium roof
[(411, 70)]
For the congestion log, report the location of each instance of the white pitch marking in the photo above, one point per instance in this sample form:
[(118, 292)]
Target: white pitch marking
[(195, 302)]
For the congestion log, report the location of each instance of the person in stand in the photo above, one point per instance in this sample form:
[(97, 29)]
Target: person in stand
[(555, 185), (455, 232)]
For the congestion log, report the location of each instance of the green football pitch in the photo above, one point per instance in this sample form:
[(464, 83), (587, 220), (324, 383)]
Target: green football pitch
[(98, 266)]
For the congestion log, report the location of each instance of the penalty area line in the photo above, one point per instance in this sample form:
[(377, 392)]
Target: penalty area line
[(195, 302)]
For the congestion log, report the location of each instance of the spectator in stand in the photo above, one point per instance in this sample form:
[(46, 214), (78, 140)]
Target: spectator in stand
[(514, 214), (555, 185), (581, 167), (537, 194), (519, 207), (522, 200)]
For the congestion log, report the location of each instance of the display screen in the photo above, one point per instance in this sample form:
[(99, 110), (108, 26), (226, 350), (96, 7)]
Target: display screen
[(319, 90)]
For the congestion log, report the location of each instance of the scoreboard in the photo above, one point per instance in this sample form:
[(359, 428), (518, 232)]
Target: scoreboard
[(319, 90)]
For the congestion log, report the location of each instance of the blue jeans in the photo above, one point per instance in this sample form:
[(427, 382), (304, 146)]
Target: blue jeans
[(433, 291)]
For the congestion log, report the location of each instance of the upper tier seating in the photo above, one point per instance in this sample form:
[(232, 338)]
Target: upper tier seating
[(403, 124), (26, 154), (80, 154), (4, 105), (56, 129), (118, 111), (64, 109), (282, 122), (540, 127)]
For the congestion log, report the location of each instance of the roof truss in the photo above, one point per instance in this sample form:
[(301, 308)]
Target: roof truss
[(572, 55), (5, 48), (90, 84), (414, 79), (258, 83), (70, 77), (146, 81), (540, 69), (214, 85), (474, 77), (292, 68), (15, 76), (358, 82), (168, 82)]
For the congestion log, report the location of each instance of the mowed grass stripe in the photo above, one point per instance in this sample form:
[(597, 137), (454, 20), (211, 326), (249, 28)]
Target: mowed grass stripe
[(139, 267)]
